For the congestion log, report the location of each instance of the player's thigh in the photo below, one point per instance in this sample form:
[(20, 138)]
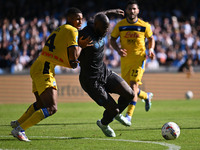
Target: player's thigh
[(42, 74), (116, 84), (136, 72), (98, 93), (43, 82)]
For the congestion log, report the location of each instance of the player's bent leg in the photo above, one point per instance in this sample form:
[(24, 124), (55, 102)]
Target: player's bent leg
[(118, 85), (48, 99), (130, 111), (132, 105), (123, 102), (108, 115), (146, 97), (32, 108), (98, 93), (111, 110), (38, 116), (142, 94)]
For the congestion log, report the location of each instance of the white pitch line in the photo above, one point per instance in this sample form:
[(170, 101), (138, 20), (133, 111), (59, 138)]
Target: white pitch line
[(169, 146)]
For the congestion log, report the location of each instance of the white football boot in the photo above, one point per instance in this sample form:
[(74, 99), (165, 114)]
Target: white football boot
[(19, 133), (106, 129), (123, 120)]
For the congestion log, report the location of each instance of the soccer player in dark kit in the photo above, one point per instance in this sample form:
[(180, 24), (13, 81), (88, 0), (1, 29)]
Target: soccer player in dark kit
[(98, 81)]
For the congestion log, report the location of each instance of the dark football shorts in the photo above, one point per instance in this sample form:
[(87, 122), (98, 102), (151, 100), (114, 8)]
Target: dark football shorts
[(98, 90)]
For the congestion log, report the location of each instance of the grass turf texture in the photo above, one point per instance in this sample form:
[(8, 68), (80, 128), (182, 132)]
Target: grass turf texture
[(74, 122)]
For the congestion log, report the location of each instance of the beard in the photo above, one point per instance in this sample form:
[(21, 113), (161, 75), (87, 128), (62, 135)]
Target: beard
[(131, 16)]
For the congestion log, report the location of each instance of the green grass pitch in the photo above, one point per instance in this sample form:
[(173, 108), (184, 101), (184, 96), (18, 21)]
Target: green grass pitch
[(74, 127)]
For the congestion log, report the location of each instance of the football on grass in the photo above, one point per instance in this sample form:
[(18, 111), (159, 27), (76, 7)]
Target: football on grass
[(189, 95), (170, 131)]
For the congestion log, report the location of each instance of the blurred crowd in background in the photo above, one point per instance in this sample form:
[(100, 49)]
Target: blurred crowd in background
[(26, 24)]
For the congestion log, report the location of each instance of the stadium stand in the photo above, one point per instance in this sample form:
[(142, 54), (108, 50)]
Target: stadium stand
[(25, 26)]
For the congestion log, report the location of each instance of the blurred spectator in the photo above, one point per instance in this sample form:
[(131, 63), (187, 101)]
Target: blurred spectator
[(112, 58), (171, 56), (187, 67), (161, 55), (16, 66), (179, 60), (24, 59)]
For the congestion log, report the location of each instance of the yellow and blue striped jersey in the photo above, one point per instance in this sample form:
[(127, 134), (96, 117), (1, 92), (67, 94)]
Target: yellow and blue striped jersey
[(55, 49), (132, 37)]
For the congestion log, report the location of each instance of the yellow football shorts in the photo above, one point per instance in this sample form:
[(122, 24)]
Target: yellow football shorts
[(42, 74), (134, 72)]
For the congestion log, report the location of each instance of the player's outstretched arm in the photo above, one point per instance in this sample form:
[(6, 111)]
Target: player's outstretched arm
[(115, 11), (119, 12)]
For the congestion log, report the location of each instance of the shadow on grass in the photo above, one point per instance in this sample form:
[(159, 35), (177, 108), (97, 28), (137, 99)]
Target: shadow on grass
[(65, 124), (14, 139), (55, 124), (53, 138)]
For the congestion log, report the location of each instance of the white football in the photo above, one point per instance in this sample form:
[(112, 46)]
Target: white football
[(170, 131), (189, 95)]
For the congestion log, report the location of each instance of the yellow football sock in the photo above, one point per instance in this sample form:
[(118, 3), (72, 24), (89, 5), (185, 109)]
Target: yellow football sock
[(27, 114), (142, 94), (35, 118), (131, 108)]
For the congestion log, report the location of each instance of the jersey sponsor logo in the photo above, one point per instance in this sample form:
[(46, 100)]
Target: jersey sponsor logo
[(129, 34), (50, 55), (131, 41)]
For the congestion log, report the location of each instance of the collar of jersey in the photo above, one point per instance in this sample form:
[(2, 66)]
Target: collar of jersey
[(133, 22)]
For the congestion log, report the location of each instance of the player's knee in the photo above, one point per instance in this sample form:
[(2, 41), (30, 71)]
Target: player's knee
[(52, 110)]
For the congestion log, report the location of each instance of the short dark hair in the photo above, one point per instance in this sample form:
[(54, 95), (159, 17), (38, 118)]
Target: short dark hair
[(72, 11), (102, 18), (130, 2)]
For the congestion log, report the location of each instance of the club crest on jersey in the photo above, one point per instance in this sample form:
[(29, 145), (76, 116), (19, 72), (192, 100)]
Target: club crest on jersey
[(139, 28), (54, 83), (99, 44)]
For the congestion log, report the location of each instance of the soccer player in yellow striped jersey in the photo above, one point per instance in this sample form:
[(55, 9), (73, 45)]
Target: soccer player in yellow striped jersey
[(61, 48), (133, 32)]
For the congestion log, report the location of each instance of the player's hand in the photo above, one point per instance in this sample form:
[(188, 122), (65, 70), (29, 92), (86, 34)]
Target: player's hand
[(85, 43), (122, 52), (119, 12), (115, 11), (74, 63), (151, 54)]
